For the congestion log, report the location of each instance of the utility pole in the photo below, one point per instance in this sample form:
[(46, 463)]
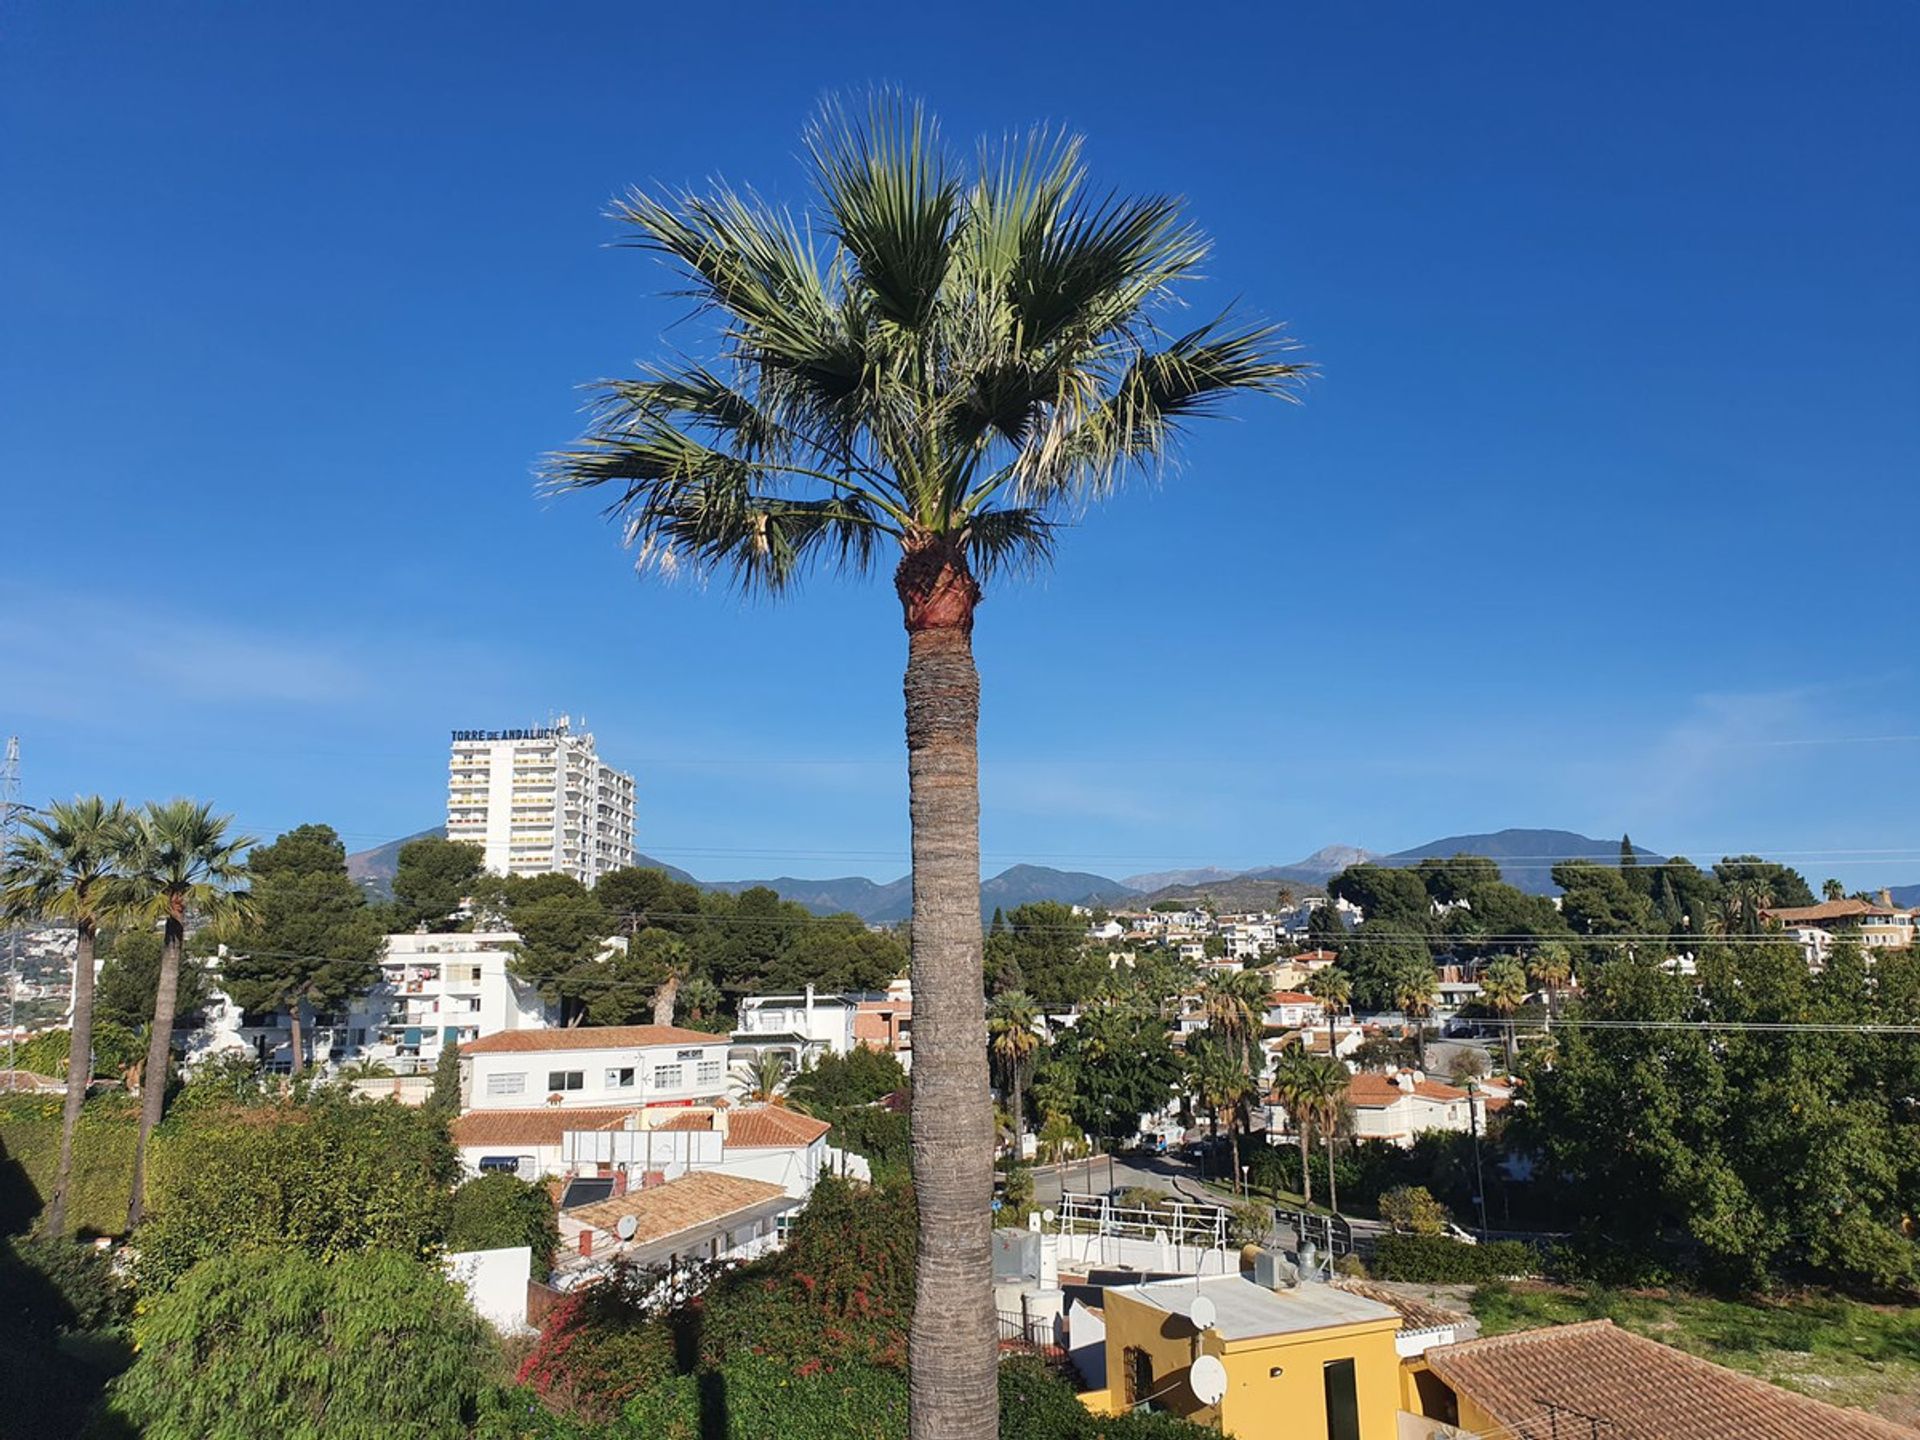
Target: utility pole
[(10, 808), (1479, 1177)]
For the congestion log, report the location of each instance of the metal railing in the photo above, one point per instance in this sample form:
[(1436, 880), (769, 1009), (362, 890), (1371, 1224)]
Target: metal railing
[(1036, 1335), (1199, 1226)]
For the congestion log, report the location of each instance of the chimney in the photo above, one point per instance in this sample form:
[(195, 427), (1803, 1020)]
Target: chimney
[(809, 1020), (1886, 898)]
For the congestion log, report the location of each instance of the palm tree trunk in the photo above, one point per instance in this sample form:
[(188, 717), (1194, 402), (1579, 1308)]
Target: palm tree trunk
[(1306, 1164), (1014, 1099), (1233, 1141), (299, 1049), (665, 999), (153, 1080), (953, 1372), (1333, 1185), (79, 1076), (1507, 1031)]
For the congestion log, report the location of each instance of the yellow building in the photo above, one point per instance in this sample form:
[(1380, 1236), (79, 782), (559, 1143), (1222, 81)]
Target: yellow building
[(1309, 1362)]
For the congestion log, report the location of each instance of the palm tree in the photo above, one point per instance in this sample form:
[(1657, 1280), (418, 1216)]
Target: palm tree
[(1219, 1081), (1328, 1089), (928, 370), (1504, 987), (1333, 988), (1414, 985), (1235, 1005), (1294, 1085), (182, 862), (67, 868), (1013, 1025), (763, 1080), (1550, 968)]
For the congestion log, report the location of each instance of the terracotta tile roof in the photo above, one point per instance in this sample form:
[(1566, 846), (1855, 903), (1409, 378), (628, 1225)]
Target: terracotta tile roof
[(663, 1210), (1371, 1088), (689, 1120), (1638, 1389), (1829, 910), (587, 1037), (1292, 997), (765, 1126), (544, 1126)]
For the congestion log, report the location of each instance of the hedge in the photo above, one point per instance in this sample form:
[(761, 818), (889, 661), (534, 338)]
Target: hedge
[(102, 1162), (1438, 1260)]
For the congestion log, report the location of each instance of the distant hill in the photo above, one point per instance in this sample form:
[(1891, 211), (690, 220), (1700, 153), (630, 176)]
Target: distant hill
[(1318, 868), (1160, 879), (1906, 895), (1257, 889), (1526, 857), (374, 868), (886, 904)]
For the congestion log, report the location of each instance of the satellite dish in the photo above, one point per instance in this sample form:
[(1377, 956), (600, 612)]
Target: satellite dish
[(1207, 1378), (1201, 1312), (626, 1226)]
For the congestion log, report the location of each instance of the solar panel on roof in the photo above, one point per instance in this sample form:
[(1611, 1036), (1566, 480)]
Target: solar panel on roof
[(586, 1192)]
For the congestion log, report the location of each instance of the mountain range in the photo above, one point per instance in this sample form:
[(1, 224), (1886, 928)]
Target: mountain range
[(1525, 857)]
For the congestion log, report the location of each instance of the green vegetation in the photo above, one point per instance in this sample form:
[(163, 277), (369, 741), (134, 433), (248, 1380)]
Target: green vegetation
[(284, 1343), (491, 1212), (330, 1177), (1438, 1260), (102, 1162), (1839, 1350)]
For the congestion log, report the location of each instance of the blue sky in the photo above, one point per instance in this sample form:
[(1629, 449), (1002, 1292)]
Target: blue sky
[(1601, 514)]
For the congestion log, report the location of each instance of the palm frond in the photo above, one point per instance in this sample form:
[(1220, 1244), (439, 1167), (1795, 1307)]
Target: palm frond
[(1009, 541), (887, 186)]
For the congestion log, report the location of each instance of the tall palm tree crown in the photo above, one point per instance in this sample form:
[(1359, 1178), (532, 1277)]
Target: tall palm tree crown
[(926, 371), (67, 867), (1013, 1026), (182, 862)]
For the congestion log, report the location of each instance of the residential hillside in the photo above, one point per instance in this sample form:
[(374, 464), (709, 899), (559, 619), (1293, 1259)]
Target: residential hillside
[(373, 869)]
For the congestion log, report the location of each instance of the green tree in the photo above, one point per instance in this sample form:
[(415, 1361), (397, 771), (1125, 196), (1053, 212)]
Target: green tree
[(941, 369), (561, 934), (492, 1212), (1414, 987), (432, 878), (1124, 1065), (1327, 1094), (1326, 930), (66, 865), (443, 1101), (278, 1343), (1217, 1078), (1503, 985), (1235, 1005), (313, 943), (1333, 988), (625, 987), (1384, 893), (837, 953), (182, 862), (638, 899), (1013, 1028), (763, 1079), (1412, 1210), (130, 977), (1296, 1085), (1551, 968)]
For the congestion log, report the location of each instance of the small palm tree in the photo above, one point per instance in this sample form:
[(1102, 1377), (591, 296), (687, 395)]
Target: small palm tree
[(1504, 987), (763, 1080), (1328, 1091), (1551, 968), (928, 371), (181, 863), (1235, 1007), (365, 1068), (1218, 1079), (67, 867), (1333, 988), (1414, 986), (1295, 1085), (1013, 1028)]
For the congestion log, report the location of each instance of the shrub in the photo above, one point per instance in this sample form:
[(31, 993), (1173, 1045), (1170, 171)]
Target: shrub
[(1250, 1223), (1412, 1210), (102, 1162), (841, 1290), (47, 1382), (331, 1177), (751, 1398), (1435, 1259), (90, 1296), (602, 1346), (284, 1344), (498, 1210)]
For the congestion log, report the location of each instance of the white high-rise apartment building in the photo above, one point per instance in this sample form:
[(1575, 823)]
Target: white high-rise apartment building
[(539, 801)]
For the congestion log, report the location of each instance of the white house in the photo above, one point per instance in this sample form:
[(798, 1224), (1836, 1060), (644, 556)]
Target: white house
[(1401, 1104), (1292, 1010), (697, 1217), (593, 1065), (799, 1026), (440, 988)]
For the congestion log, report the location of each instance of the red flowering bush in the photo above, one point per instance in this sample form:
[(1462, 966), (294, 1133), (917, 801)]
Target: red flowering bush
[(601, 1346)]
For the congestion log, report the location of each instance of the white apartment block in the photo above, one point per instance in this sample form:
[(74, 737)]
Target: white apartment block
[(538, 801), (440, 988)]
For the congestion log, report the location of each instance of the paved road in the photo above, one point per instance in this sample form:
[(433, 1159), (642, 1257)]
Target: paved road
[(1101, 1173)]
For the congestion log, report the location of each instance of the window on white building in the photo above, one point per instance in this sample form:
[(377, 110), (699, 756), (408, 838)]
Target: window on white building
[(620, 1079), (566, 1080), (515, 1084), (710, 1072), (667, 1077)]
